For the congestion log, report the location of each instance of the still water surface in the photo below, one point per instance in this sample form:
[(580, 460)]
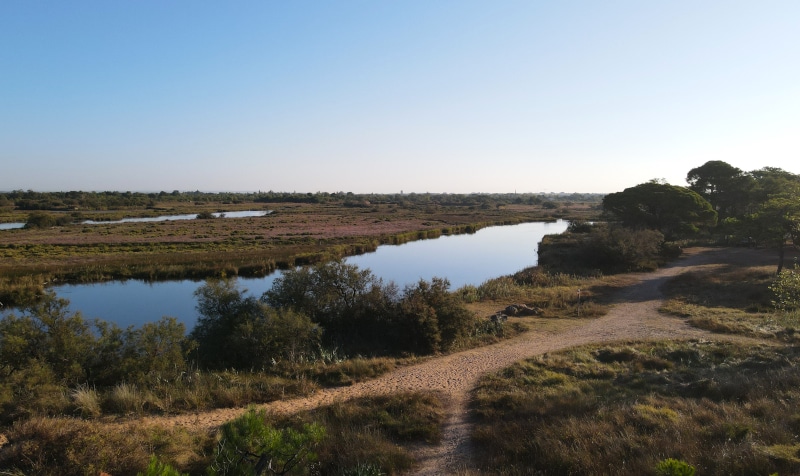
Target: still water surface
[(190, 216), (11, 226), (462, 259)]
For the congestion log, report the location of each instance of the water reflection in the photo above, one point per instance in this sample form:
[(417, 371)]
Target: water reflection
[(11, 226), (462, 259), (190, 216)]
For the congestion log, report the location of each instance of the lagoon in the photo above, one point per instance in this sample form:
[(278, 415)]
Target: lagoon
[(463, 259)]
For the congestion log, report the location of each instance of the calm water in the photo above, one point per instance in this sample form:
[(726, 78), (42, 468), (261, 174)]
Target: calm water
[(192, 216), (11, 226), (462, 259)]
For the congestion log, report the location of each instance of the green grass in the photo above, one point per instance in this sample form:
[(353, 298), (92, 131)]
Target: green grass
[(600, 410)]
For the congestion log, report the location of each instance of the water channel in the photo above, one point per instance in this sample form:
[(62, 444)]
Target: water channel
[(189, 216), (462, 259)]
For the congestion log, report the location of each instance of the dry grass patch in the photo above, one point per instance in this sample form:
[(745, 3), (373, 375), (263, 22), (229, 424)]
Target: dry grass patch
[(605, 410), (733, 299), (66, 446), (375, 434), (555, 295)]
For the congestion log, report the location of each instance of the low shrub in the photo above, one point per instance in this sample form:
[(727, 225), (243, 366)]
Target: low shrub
[(734, 299), (786, 287), (674, 467), (248, 445)]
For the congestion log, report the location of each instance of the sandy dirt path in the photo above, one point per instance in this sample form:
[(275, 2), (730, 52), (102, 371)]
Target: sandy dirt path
[(635, 316)]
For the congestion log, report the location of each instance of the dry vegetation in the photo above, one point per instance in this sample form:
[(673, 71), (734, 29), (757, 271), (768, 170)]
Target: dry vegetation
[(610, 409), (379, 433), (723, 408), (367, 434), (733, 298), (603, 410)]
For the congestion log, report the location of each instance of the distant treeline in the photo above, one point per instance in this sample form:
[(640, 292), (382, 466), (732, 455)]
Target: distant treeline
[(79, 200)]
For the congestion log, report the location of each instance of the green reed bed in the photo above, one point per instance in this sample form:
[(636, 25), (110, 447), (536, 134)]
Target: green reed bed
[(604, 410)]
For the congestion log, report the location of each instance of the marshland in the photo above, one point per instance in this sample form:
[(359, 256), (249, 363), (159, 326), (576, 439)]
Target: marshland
[(650, 349), (300, 229)]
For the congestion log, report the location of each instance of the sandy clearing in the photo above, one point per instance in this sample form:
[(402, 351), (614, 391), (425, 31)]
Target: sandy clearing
[(635, 316)]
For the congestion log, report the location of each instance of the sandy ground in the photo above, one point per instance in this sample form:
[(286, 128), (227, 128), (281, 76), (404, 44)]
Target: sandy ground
[(635, 316)]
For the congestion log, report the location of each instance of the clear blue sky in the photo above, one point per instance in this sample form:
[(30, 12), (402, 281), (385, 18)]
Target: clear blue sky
[(382, 96)]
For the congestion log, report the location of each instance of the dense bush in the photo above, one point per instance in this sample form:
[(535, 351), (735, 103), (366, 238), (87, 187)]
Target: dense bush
[(46, 220), (361, 314), (431, 318), (237, 331), (606, 248), (133, 355), (47, 349), (47, 335), (206, 215)]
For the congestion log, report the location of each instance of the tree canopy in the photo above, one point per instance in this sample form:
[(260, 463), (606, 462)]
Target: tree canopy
[(724, 186), (674, 211)]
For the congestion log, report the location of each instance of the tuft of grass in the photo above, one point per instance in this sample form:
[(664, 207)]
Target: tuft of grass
[(125, 398), (86, 400)]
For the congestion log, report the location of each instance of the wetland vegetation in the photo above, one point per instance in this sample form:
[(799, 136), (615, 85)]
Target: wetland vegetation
[(303, 229), (623, 408)]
